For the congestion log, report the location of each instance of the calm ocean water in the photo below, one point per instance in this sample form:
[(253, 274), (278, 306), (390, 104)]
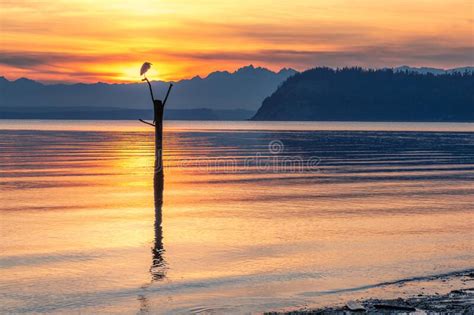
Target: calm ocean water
[(255, 216)]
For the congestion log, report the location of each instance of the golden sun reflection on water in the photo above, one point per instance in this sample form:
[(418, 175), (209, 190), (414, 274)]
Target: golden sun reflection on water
[(80, 229)]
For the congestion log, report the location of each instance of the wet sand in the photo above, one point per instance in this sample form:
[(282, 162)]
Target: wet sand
[(443, 294)]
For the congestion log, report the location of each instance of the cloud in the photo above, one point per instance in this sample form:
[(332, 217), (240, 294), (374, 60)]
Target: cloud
[(22, 59), (416, 53), (277, 34), (67, 66), (60, 67)]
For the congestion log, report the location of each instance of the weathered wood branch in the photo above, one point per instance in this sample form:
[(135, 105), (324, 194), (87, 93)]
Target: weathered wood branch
[(146, 122), (167, 94), (151, 90)]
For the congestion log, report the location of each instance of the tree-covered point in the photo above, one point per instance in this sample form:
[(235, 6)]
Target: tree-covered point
[(371, 95)]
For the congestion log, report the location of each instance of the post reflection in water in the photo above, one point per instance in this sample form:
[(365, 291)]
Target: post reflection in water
[(158, 265)]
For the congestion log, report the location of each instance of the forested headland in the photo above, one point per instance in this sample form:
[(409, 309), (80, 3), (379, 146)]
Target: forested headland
[(371, 95)]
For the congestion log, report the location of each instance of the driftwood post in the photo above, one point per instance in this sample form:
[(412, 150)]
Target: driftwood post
[(158, 109)]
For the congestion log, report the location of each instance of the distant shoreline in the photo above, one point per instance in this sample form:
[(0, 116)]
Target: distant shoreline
[(22, 117), (117, 113)]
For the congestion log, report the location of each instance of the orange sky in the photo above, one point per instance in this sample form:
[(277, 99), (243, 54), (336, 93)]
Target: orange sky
[(105, 40)]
